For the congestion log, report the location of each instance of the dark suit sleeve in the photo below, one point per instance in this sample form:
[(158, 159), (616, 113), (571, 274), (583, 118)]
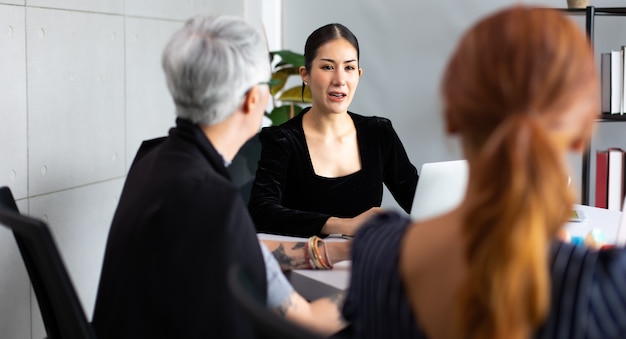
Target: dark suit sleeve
[(376, 304), (588, 293)]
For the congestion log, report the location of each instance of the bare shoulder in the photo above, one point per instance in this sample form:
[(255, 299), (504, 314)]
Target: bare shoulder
[(429, 243)]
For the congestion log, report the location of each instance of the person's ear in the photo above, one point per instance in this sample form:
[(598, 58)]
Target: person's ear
[(303, 75), (581, 142), (451, 125), (252, 99), (360, 71), (578, 145)]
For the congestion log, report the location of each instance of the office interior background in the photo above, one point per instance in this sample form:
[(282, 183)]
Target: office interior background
[(81, 86)]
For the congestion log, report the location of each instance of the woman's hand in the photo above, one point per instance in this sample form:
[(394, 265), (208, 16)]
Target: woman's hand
[(360, 219), (321, 315), (349, 226)]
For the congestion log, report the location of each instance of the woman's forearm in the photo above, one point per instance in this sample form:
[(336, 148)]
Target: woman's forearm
[(293, 254), (338, 250), (335, 225), (289, 254)]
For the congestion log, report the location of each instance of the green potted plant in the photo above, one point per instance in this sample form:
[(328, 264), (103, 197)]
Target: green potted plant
[(286, 100)]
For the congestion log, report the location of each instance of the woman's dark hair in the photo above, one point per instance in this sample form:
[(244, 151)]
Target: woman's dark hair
[(323, 35)]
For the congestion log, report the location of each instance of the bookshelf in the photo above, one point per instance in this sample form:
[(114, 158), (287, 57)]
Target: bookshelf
[(590, 13)]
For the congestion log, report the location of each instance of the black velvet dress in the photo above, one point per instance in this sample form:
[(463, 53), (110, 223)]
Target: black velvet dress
[(289, 198)]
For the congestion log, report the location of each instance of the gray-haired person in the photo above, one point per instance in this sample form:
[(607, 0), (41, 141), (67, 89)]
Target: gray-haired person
[(181, 222)]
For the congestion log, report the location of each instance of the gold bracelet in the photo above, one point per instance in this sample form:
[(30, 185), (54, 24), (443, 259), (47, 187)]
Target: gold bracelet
[(320, 260), (323, 262), (311, 252), (330, 263), (316, 253)]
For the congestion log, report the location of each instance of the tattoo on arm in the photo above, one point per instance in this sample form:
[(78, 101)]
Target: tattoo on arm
[(298, 246), (289, 262), (338, 299), (286, 305), (283, 259)]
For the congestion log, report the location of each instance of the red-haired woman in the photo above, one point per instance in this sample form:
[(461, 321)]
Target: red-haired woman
[(521, 92)]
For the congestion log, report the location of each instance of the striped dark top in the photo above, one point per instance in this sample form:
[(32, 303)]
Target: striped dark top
[(588, 288)]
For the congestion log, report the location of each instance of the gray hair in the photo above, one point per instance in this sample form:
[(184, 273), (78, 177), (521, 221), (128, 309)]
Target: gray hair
[(211, 63)]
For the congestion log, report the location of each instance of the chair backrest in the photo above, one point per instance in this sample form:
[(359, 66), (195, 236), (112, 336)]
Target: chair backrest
[(7, 200), (267, 324), (62, 313)]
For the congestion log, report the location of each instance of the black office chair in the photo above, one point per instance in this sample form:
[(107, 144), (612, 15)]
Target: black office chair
[(267, 324), (6, 199), (62, 313)]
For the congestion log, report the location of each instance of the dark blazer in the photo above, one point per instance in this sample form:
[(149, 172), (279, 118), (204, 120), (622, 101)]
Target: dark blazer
[(179, 224)]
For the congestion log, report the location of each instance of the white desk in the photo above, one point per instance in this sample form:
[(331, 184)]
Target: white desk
[(600, 218), (313, 284)]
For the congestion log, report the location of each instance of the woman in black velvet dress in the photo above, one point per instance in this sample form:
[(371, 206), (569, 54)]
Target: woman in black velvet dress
[(322, 172)]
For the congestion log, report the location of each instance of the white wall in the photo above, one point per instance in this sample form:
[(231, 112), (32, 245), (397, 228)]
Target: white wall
[(404, 47), (81, 86)]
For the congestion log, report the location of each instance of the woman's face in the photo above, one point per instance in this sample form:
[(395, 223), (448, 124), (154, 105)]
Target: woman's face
[(334, 76)]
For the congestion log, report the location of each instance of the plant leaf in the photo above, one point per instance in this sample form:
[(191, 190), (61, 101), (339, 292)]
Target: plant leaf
[(294, 94), (282, 75), (283, 113), (289, 57), (288, 65), (291, 70)]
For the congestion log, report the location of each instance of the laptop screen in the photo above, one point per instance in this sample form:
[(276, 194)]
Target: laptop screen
[(440, 188)]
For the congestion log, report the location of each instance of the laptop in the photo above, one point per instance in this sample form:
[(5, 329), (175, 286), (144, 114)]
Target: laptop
[(440, 188)]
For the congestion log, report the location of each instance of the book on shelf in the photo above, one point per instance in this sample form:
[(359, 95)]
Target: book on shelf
[(622, 69), (610, 166), (605, 83), (617, 79), (613, 81), (602, 161)]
